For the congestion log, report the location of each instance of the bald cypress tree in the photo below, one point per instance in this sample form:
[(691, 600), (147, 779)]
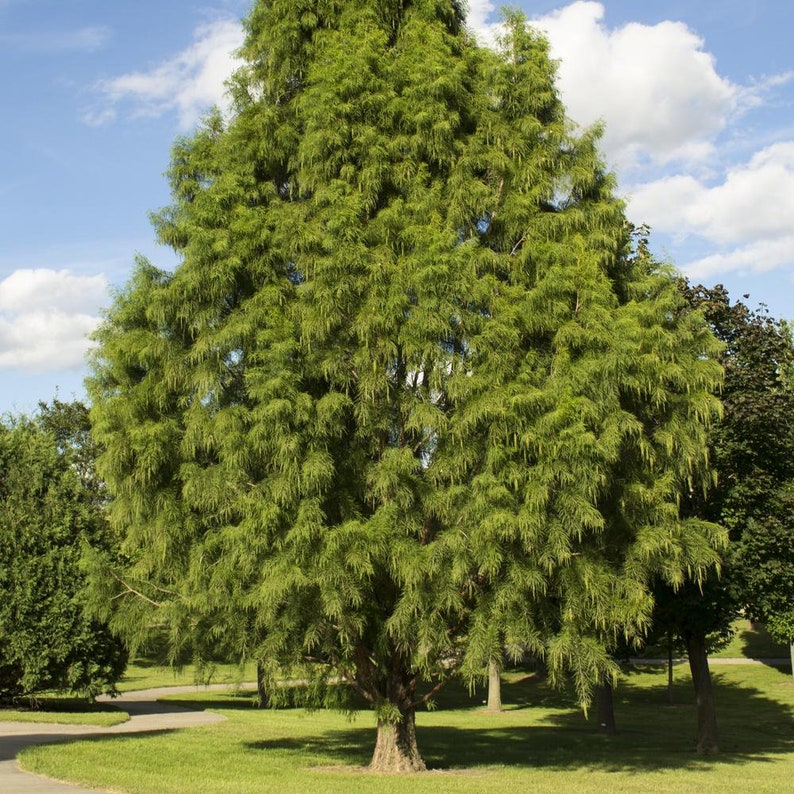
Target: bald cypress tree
[(408, 398)]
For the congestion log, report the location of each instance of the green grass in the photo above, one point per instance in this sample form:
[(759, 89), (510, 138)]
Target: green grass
[(66, 711), (148, 674), (540, 743), (752, 643)]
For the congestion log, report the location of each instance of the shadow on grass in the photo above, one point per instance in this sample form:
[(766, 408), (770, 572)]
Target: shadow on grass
[(12, 745), (652, 735), (757, 644), (68, 705)]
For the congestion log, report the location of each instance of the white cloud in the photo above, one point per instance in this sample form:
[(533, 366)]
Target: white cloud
[(45, 317), (189, 83), (479, 13), (655, 86), (747, 216), (760, 256)]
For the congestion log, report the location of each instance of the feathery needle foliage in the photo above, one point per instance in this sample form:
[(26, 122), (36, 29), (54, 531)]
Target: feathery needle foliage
[(414, 393)]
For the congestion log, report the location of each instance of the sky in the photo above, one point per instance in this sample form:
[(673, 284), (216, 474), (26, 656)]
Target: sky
[(697, 99)]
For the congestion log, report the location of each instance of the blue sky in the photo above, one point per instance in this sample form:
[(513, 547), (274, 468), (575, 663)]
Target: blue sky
[(697, 98)]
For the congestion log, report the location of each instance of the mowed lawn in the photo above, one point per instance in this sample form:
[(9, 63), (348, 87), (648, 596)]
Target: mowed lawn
[(541, 742)]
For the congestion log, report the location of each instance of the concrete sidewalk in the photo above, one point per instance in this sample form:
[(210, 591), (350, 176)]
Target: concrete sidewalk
[(146, 714), (714, 661)]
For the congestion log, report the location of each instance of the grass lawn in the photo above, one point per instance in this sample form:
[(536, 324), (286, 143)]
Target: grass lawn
[(540, 743), (147, 674), (752, 643)]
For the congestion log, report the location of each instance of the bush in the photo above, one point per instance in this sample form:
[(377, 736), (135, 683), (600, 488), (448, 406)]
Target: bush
[(49, 510)]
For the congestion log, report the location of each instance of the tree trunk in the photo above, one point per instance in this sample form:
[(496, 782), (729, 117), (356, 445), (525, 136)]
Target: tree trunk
[(261, 689), (670, 668), (494, 687), (396, 749), (701, 678), (791, 654), (605, 708)]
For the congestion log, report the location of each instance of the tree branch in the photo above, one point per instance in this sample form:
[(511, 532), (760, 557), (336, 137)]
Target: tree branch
[(437, 688), (130, 589)]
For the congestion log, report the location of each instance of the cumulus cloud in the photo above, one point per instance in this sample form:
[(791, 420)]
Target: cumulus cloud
[(760, 256), (655, 86), (188, 83), (479, 20), (45, 317), (746, 216)]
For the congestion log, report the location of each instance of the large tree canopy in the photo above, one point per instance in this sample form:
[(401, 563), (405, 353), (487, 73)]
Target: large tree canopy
[(49, 510), (411, 395)]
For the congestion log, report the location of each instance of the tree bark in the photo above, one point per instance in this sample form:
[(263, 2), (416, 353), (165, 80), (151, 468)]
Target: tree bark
[(396, 750), (261, 690), (494, 687), (392, 694), (701, 678), (791, 654), (669, 668), (605, 708)]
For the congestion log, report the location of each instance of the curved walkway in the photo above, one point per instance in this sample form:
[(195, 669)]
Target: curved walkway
[(146, 714)]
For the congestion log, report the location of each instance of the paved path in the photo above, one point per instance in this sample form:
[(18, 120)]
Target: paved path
[(146, 714), (716, 661)]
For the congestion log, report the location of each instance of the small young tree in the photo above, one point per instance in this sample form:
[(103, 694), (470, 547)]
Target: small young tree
[(407, 399), (48, 511)]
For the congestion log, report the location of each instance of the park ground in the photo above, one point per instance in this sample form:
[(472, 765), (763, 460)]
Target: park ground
[(540, 741)]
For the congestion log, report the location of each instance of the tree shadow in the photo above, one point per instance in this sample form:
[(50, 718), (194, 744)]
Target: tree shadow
[(652, 736), (13, 744), (242, 700), (757, 644)]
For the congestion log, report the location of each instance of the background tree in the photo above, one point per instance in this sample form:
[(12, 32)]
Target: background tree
[(751, 454), (405, 400), (766, 566), (753, 447), (50, 507)]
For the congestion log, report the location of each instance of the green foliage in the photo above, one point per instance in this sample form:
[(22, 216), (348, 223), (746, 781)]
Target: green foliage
[(49, 510), (751, 449), (412, 393), (765, 558)]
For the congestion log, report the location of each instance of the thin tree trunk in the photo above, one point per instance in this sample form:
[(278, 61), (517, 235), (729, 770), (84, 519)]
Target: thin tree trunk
[(701, 678), (605, 708), (791, 654), (494, 687), (396, 749), (670, 668), (261, 690)]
